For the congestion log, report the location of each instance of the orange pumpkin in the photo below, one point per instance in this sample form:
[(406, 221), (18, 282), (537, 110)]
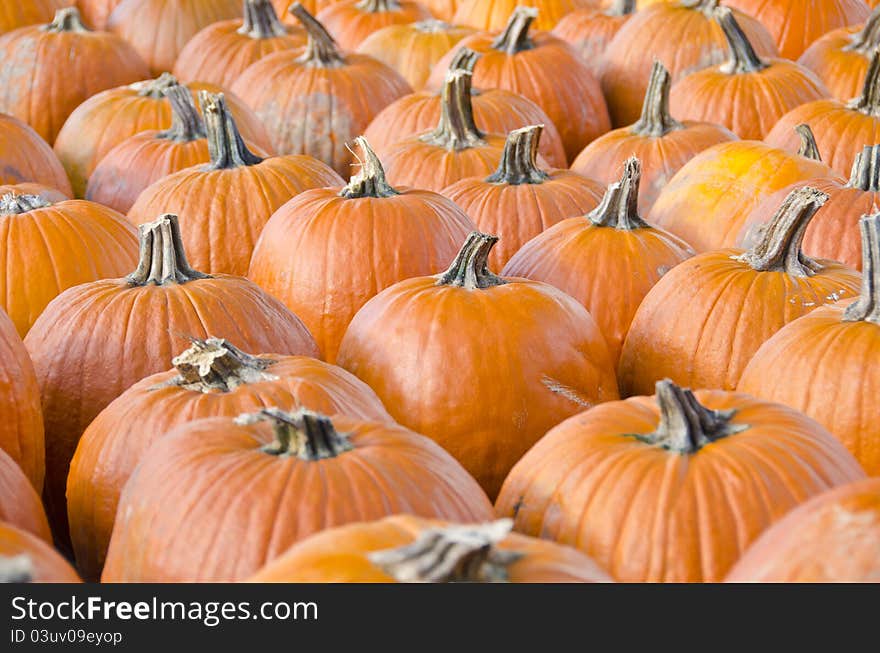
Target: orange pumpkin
[(212, 378), (661, 143), (407, 549), (705, 319), (222, 51), (227, 203), (312, 6), (20, 504), (674, 487), (15, 14), (831, 538), (590, 30), (492, 15), (608, 260), (234, 474), (48, 70), (28, 559), (49, 247), (746, 94), (352, 21), (95, 12), (682, 35), (159, 29), (520, 200), (544, 344), (105, 120), (25, 157), (332, 275), (97, 339)]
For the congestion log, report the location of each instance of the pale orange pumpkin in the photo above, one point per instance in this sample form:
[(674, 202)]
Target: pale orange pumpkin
[(352, 21), (28, 559), (25, 157), (96, 12), (590, 30)]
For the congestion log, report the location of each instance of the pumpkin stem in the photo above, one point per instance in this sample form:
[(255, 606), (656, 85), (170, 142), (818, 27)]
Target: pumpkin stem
[(13, 204), (621, 8), (186, 123), (869, 100), (456, 129), (619, 208), (155, 88), (162, 260), (226, 147), (808, 147), (519, 161), (321, 50), (470, 268), (656, 120), (304, 434), (708, 7), (779, 242), (866, 170), (260, 20), (66, 19), (867, 38), (16, 569), (515, 37), (370, 180), (378, 6), (216, 364), (867, 307), (432, 26), (743, 58), (455, 554), (464, 59)]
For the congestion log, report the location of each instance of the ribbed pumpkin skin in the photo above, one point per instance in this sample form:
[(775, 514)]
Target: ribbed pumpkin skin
[(15, 13), (842, 71), (312, 254), (158, 29), (707, 201), (795, 24), (492, 15), (119, 437), (312, 6), (496, 111), (25, 157), (103, 121), (211, 474), (350, 25), (20, 504), (830, 539), (96, 12), (46, 75), (57, 247), (46, 565), (648, 514), (339, 555), (589, 31)]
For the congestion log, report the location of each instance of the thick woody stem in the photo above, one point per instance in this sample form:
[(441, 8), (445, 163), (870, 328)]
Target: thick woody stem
[(519, 161), (456, 129), (155, 88), (621, 8), (304, 434), (515, 37), (743, 58), (370, 179), (619, 208), (470, 268), (261, 21), (656, 120), (866, 170), (12, 204), (162, 259), (215, 364), (867, 307), (321, 49), (186, 123), (464, 59), (869, 100), (866, 39), (808, 147), (16, 569), (378, 6), (66, 19), (226, 147)]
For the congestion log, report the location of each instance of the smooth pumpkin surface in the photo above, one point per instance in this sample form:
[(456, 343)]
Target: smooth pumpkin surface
[(352, 21), (20, 504), (590, 30), (25, 157), (25, 558)]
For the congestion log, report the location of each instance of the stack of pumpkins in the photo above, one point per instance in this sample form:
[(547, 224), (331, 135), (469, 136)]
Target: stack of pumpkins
[(439, 290)]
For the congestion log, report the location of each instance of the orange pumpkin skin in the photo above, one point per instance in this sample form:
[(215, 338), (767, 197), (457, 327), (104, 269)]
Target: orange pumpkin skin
[(43, 564), (341, 555), (592, 484), (417, 477), (352, 21), (795, 24), (832, 538), (20, 504), (116, 441), (46, 193), (34, 12), (492, 15), (51, 247), (96, 12), (312, 6), (590, 30), (708, 200), (841, 57), (25, 157), (441, 9), (104, 120), (40, 84)]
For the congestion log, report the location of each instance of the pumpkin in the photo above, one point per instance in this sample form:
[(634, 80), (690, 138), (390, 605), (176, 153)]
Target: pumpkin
[(841, 130), (495, 110), (746, 94), (227, 203), (832, 538), (408, 549), (15, 14), (105, 120), (520, 200), (222, 51), (28, 559), (590, 30), (48, 70), (20, 504), (413, 49), (234, 474), (441, 9), (159, 29), (352, 21), (608, 260), (97, 339), (280, 89), (45, 193), (211, 378), (661, 143), (544, 344), (818, 364), (95, 12), (544, 69), (492, 15), (795, 24), (311, 254), (707, 201), (691, 40), (312, 6), (49, 247), (841, 57), (833, 233), (703, 321), (25, 157), (672, 488)]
